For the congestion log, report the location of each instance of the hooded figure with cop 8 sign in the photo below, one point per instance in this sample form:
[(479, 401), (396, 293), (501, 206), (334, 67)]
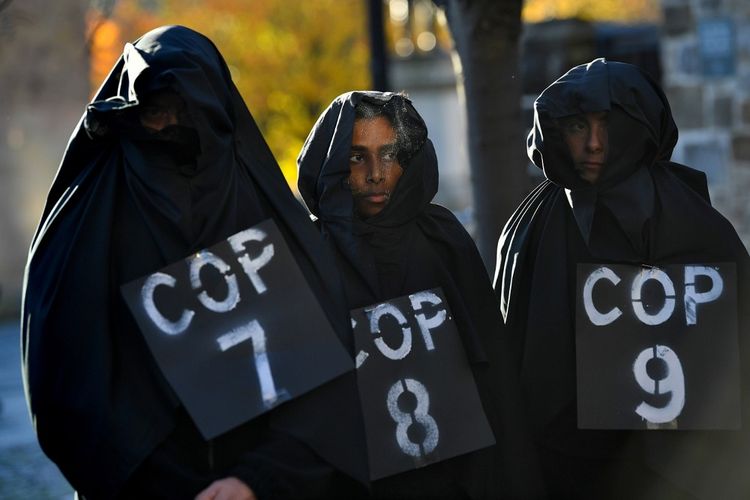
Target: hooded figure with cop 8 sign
[(625, 295), (435, 387), (168, 161)]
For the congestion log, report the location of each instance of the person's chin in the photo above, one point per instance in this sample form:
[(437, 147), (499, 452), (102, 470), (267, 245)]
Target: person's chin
[(589, 172)]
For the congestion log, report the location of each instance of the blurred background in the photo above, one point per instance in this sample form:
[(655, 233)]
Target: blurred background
[(472, 69)]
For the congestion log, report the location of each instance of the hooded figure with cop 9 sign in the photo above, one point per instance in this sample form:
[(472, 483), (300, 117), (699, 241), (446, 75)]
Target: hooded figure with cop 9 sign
[(626, 294)]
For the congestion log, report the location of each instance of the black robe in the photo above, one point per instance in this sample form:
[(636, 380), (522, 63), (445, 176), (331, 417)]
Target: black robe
[(124, 204), (644, 210), (413, 245)]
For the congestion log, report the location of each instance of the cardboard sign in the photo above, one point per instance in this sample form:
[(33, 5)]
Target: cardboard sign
[(220, 328), (657, 347), (418, 394)]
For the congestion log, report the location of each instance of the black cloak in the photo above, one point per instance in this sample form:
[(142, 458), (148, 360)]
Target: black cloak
[(124, 204), (413, 245), (645, 210)]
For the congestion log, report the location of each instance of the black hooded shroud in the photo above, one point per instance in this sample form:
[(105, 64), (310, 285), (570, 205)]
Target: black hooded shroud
[(413, 245), (124, 204), (643, 210)]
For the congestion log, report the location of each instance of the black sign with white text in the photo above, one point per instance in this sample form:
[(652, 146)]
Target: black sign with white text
[(418, 394), (657, 347), (219, 325)]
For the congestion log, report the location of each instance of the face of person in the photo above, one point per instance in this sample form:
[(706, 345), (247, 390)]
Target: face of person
[(587, 140), (161, 109), (375, 170)]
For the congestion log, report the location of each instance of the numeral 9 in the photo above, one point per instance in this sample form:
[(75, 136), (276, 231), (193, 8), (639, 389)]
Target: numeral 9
[(673, 383)]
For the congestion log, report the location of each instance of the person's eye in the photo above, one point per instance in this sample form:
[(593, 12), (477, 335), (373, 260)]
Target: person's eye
[(575, 127), (355, 158)]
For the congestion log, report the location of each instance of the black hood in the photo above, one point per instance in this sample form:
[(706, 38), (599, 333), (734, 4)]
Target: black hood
[(641, 128), (324, 164), (641, 133), (324, 170)]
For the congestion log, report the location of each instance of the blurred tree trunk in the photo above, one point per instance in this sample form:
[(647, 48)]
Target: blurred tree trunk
[(486, 36)]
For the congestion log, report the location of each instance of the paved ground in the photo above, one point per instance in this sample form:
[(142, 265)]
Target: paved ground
[(25, 472)]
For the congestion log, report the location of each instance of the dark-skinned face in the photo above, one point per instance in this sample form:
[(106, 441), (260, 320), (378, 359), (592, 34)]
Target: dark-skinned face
[(375, 170)]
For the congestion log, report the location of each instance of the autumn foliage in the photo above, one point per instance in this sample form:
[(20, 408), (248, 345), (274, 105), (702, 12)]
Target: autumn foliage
[(288, 59), (592, 10)]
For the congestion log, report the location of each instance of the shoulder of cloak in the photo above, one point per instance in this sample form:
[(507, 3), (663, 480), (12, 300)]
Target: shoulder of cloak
[(692, 178), (467, 285), (514, 242)]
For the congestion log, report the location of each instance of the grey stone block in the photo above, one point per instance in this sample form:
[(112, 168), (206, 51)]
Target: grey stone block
[(710, 157), (723, 107), (741, 147), (678, 19), (687, 106)]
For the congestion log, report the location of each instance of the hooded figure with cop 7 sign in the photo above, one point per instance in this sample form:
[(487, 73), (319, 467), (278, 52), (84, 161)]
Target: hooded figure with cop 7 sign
[(167, 179), (625, 293), (436, 388)]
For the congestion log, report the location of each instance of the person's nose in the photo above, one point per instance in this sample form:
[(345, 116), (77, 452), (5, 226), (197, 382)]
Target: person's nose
[(596, 139), (376, 172), (170, 118)]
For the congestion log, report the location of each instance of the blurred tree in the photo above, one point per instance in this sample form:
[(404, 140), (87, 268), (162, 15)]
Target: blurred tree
[(592, 10), (486, 36), (288, 60)]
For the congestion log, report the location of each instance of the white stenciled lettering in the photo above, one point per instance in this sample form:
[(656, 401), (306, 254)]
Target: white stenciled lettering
[(147, 296), (666, 310), (233, 293), (596, 317), (252, 266), (361, 358), (376, 314), (405, 420), (427, 324), (693, 298), (255, 332), (673, 383)]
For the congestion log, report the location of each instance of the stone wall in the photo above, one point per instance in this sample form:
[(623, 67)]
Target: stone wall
[(44, 75), (706, 76)]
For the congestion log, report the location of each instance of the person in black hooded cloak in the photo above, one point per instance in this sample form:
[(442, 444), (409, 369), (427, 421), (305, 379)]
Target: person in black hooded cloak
[(603, 135), (166, 161), (368, 173)]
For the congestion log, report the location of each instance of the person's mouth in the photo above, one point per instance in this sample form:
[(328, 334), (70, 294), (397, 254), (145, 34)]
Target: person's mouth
[(592, 164), (376, 198)]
